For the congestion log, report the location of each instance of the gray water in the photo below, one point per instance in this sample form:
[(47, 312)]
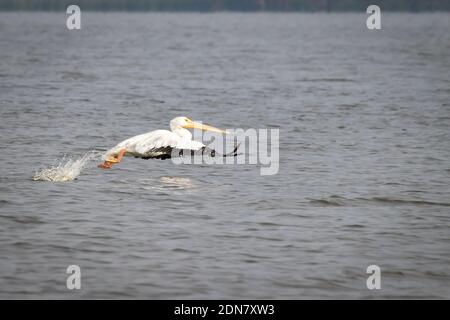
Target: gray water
[(364, 156)]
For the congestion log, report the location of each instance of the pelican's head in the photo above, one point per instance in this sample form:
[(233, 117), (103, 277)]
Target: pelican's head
[(187, 123)]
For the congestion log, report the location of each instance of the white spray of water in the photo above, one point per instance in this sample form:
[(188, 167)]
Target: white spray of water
[(67, 169)]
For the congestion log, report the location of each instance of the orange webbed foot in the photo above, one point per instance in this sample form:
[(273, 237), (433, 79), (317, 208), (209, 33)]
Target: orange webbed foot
[(105, 165)]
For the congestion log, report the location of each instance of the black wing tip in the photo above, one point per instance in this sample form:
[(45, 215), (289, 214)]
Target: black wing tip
[(234, 152)]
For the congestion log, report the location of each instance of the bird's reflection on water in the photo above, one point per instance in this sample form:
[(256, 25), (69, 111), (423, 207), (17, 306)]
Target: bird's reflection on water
[(167, 183), (176, 182)]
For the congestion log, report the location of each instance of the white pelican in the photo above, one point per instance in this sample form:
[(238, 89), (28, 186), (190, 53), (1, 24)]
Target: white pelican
[(159, 144)]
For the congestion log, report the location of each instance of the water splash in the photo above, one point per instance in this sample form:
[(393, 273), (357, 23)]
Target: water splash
[(68, 169)]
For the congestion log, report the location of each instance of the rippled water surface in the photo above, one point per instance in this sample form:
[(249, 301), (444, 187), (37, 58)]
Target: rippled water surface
[(364, 156)]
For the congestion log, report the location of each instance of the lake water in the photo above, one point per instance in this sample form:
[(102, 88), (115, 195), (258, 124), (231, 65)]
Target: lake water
[(364, 174)]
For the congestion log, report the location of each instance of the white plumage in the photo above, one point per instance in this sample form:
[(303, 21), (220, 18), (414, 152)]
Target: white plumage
[(147, 144), (158, 143)]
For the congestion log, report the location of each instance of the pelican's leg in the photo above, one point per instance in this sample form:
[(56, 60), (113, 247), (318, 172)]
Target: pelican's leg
[(120, 155), (112, 160)]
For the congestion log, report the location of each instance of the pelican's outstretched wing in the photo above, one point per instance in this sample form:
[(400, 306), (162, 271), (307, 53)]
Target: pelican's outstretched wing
[(162, 144), (198, 149), (167, 152), (212, 152), (156, 144)]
